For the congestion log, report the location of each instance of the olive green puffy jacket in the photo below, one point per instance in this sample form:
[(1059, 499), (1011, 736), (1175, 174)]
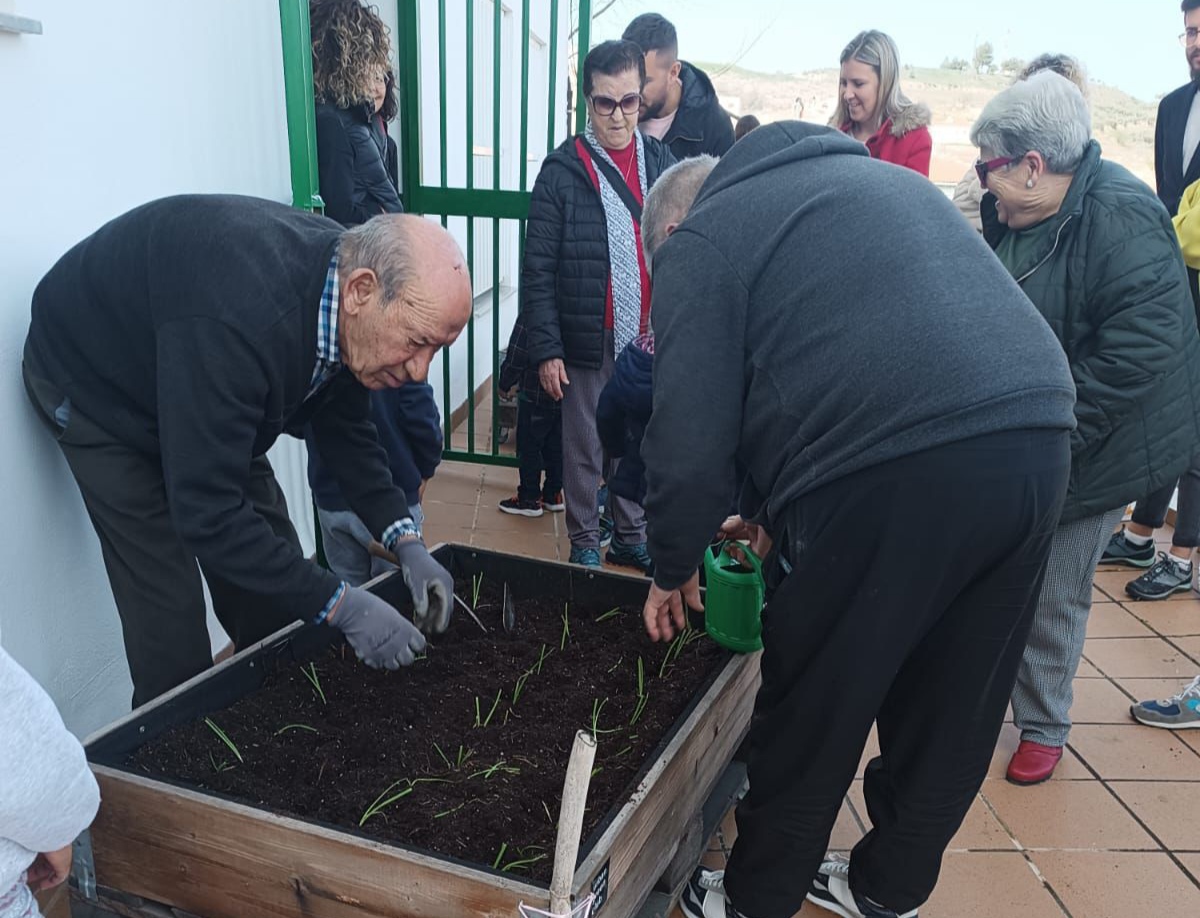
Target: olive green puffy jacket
[(1107, 275)]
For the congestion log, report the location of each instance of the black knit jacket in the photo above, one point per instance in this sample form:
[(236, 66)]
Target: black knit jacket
[(187, 329), (564, 278)]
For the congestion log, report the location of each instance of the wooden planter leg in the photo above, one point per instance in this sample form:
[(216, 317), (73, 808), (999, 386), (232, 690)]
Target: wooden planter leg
[(570, 821)]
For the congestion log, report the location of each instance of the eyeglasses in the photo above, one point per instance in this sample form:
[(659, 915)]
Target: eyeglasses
[(1189, 36), (629, 104), (982, 169)]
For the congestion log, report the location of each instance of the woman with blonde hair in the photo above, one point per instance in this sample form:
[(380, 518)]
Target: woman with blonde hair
[(872, 107)]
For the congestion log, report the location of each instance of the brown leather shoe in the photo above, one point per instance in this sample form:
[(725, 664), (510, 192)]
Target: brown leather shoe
[(1033, 763)]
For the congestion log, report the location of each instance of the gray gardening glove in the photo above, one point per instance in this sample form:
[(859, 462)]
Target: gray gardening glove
[(380, 635), (431, 585)]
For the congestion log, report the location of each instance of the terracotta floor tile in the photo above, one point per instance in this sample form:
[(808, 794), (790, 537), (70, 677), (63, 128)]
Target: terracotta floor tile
[(846, 831), (1148, 689), (1098, 701), (1099, 597), (1069, 769), (1065, 814), (1190, 646), (435, 533), (492, 518), (1190, 737), (1192, 863), (1113, 884), (1087, 671), (453, 516), (532, 545), (1110, 620), (1171, 810), (981, 831), (1167, 618), (990, 885), (1148, 658), (1134, 753)]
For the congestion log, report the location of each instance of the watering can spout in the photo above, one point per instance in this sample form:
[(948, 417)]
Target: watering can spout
[(733, 598)]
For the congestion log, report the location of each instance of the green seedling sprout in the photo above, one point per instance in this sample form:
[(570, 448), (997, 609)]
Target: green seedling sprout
[(549, 818), (502, 767), (613, 668), (480, 720), (542, 657), (453, 809), (224, 766), (383, 801), (310, 673), (463, 756), (438, 748), (520, 686), (499, 856), (597, 708), (597, 770), (638, 709), (623, 752), (566, 631), (476, 586), (224, 738), (524, 862), (642, 697), (611, 613), (287, 727), (673, 651)]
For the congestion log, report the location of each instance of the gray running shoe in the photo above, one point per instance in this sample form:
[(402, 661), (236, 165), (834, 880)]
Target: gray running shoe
[(1167, 576), (1181, 712), (1121, 551)]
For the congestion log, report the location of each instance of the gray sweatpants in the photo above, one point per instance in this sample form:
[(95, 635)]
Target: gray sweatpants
[(583, 461), (1043, 694)]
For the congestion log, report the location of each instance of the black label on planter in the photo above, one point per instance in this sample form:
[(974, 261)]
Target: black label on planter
[(599, 890)]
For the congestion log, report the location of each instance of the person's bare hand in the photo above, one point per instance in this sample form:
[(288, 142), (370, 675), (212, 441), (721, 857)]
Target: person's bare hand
[(664, 611), (49, 869), (737, 529), (553, 376)]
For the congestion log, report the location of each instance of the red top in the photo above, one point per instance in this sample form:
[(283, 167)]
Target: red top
[(626, 163), (912, 150)]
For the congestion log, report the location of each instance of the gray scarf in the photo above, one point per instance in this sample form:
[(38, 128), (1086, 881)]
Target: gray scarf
[(625, 269)]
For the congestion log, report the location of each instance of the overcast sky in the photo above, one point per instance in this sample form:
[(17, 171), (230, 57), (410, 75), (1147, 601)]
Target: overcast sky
[(1130, 44)]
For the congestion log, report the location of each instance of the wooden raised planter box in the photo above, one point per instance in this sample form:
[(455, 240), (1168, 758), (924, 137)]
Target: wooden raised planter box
[(193, 852)]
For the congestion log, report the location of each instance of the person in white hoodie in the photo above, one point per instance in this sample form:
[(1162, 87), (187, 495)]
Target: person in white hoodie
[(47, 792)]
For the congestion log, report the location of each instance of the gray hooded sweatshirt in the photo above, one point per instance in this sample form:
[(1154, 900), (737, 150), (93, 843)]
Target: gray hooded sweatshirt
[(819, 312)]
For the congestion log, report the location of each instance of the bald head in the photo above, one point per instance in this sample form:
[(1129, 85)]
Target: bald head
[(670, 200), (405, 292)]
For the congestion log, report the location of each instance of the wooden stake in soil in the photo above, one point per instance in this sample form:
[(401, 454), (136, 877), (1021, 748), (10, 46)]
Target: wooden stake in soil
[(570, 821)]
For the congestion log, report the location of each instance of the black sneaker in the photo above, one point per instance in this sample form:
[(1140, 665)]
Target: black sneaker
[(1121, 551), (831, 890), (1167, 576), (520, 507), (704, 896)]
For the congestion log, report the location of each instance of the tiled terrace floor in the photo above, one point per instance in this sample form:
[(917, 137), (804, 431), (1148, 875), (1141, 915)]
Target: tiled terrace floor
[(1115, 834)]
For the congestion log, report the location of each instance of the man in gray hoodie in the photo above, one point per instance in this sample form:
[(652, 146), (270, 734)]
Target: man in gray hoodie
[(901, 413)]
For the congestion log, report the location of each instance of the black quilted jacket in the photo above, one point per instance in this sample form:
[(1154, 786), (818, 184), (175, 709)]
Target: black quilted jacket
[(564, 278)]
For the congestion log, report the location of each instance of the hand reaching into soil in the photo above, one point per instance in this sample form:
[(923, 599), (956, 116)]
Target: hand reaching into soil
[(664, 611), (430, 584), (380, 635)]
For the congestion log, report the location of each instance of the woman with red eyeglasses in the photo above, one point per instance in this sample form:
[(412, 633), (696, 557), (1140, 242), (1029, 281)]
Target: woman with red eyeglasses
[(872, 108), (1095, 251), (585, 291)]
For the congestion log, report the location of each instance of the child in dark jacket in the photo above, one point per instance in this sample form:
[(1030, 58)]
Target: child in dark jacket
[(539, 433), (623, 413), (410, 432)]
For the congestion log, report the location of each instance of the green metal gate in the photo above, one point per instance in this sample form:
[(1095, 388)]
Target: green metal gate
[(475, 45), (484, 205)]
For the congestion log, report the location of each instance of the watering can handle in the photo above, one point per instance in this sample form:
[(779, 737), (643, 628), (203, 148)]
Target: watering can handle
[(754, 560)]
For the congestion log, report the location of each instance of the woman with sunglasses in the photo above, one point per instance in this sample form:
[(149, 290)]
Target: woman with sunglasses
[(585, 292), (872, 108), (1095, 251)]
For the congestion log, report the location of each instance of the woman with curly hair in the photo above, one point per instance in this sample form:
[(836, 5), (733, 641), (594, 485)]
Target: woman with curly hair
[(351, 48)]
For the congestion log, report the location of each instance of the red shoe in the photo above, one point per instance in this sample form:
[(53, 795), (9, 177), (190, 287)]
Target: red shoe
[(1033, 763)]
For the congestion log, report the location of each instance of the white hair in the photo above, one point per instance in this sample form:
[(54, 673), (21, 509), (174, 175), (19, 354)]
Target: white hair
[(671, 198), (1046, 113)]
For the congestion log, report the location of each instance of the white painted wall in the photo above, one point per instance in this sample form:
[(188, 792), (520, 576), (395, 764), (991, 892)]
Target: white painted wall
[(116, 104)]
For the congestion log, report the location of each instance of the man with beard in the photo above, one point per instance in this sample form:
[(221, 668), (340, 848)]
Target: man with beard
[(1176, 166), (679, 105)]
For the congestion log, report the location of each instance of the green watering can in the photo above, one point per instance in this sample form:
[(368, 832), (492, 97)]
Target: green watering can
[(733, 599)]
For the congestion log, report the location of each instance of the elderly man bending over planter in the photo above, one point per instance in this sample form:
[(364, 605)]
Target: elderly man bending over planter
[(171, 348), (908, 456)]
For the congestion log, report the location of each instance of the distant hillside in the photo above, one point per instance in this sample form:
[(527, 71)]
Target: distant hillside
[(1123, 125)]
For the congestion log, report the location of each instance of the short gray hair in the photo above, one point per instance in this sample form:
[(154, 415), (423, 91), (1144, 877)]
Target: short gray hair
[(381, 245), (1046, 113), (671, 198)]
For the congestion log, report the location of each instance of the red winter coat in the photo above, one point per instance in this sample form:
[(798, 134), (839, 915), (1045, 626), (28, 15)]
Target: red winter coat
[(904, 140)]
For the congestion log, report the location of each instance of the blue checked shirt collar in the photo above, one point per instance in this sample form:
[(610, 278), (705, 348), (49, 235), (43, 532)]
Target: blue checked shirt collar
[(329, 354)]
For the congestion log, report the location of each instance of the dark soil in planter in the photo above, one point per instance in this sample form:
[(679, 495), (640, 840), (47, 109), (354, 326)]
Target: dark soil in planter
[(486, 794)]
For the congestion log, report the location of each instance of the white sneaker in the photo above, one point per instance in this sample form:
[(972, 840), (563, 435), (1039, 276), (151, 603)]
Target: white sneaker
[(831, 890)]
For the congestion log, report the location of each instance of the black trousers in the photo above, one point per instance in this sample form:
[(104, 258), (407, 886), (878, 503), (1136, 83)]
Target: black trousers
[(539, 448), (911, 594), (155, 581)]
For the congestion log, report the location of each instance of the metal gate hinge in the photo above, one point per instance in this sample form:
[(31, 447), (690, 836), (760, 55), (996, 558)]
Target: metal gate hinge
[(83, 866)]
